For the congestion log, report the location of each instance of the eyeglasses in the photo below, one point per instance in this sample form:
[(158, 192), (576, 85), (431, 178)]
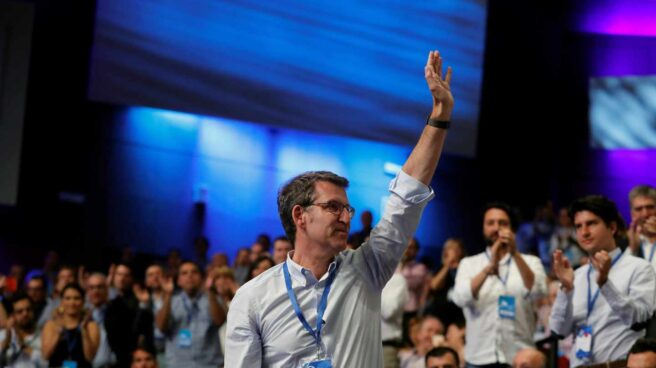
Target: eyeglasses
[(335, 208)]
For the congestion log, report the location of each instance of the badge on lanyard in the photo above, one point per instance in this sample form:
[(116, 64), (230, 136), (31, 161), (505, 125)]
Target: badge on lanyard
[(583, 342), (507, 307), (184, 338), (69, 364), (318, 364)]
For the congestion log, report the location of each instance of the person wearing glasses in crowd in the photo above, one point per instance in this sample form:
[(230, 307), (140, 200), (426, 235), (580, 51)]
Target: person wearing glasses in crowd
[(321, 307), (607, 302), (20, 341)]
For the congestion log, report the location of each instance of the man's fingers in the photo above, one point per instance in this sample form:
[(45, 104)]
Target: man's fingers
[(438, 67), (449, 71)]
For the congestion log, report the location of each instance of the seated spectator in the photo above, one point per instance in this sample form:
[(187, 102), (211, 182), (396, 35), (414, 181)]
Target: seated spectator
[(154, 281), (20, 342), (442, 357), (71, 335), (529, 358), (190, 320), (142, 358), (455, 338), (36, 290), (642, 354)]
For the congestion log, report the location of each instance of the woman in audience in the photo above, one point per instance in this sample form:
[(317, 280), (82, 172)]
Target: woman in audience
[(70, 336)]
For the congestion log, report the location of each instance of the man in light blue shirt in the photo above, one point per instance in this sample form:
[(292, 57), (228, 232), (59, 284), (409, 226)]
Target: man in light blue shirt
[(322, 306), (606, 302), (190, 320)]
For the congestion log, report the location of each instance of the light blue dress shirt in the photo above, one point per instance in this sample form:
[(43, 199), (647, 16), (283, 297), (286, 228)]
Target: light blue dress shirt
[(264, 331), (627, 298)]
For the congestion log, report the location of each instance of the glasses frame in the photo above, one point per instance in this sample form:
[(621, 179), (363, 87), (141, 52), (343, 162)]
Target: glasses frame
[(350, 210)]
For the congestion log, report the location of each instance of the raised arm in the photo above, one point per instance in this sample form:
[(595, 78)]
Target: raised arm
[(423, 160)]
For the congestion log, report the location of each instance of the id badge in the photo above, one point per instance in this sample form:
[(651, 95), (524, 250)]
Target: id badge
[(507, 307), (583, 342), (184, 338), (69, 364), (325, 363)]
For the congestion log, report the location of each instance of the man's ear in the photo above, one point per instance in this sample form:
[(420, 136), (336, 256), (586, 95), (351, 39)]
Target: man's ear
[(297, 216), (613, 227)]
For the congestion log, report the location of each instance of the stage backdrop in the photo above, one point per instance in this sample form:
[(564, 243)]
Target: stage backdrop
[(341, 67)]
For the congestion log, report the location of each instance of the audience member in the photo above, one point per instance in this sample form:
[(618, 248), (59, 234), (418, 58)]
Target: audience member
[(605, 302), (417, 278), (36, 290), (128, 320), (529, 358), (281, 247), (442, 357), (98, 298), (496, 289), (439, 302), (20, 341), (260, 265), (190, 320), (564, 238), (71, 337), (242, 265), (143, 358), (430, 334), (642, 354), (153, 282), (392, 300)]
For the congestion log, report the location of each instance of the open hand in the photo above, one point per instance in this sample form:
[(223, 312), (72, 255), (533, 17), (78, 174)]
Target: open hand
[(439, 86), (563, 270), (601, 262)]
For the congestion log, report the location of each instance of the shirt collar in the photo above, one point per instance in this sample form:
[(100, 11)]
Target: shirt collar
[(303, 275)]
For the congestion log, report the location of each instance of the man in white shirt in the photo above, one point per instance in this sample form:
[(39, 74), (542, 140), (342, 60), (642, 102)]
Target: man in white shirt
[(496, 290), (606, 302), (394, 297), (20, 342), (321, 307)]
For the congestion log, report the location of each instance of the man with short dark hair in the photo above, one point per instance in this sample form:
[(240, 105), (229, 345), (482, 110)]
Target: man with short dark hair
[(442, 357), (281, 246), (642, 231), (321, 307), (642, 354), (190, 320), (37, 290), (97, 294), (20, 342), (496, 290), (606, 302), (143, 358)]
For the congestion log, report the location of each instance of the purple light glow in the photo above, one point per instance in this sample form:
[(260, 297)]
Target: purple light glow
[(621, 170), (619, 17)]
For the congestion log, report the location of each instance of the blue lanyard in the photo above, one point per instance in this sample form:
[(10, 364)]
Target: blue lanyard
[(190, 311), (70, 345), (591, 299), (321, 308), (503, 280)]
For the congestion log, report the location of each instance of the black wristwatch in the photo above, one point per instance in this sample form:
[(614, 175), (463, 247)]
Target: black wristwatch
[(442, 124)]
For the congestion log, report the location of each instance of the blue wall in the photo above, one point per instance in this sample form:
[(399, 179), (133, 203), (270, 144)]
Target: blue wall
[(161, 162)]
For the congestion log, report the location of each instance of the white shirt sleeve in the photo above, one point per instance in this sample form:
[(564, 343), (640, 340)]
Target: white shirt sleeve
[(243, 345)]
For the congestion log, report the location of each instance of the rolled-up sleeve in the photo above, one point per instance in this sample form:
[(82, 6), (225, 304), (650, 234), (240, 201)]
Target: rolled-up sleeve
[(462, 293)]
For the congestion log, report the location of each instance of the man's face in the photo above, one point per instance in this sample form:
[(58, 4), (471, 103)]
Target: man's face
[(429, 328), (592, 232), (642, 208), (97, 290), (23, 313), (642, 360), (36, 291), (189, 278), (445, 361), (153, 275), (65, 276), (280, 250), (123, 278), (143, 359), (257, 250), (494, 220), (327, 230)]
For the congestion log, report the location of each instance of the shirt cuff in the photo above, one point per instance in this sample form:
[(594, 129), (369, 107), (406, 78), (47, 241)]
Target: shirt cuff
[(410, 189)]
